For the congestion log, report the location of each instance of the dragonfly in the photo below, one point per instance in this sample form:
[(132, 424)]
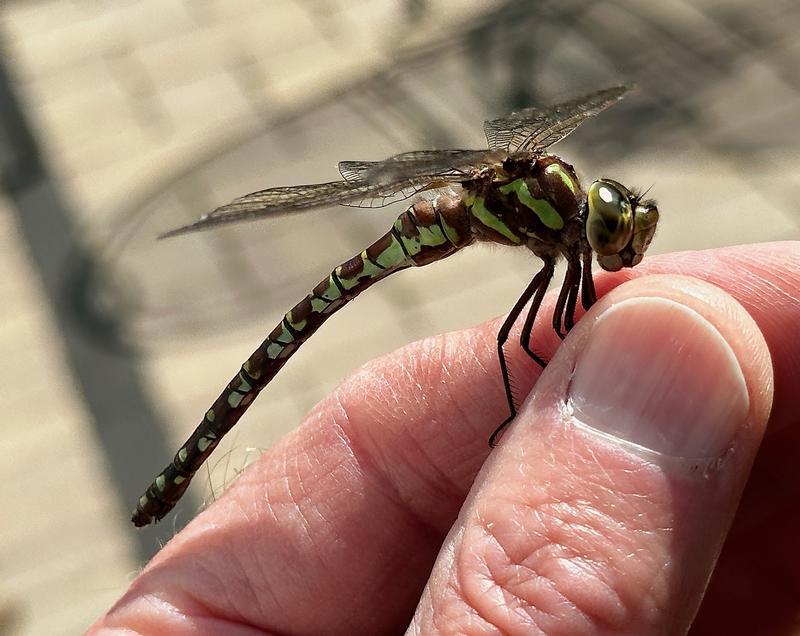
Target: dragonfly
[(514, 193)]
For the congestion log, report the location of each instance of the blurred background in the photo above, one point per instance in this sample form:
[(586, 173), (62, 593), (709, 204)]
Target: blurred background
[(124, 118)]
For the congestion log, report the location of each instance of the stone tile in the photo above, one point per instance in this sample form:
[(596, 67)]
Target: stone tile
[(98, 193), (91, 31), (20, 19), (56, 494), (81, 116), (207, 103), (187, 57)]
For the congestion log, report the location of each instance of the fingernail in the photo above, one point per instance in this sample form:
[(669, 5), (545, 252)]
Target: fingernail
[(658, 374)]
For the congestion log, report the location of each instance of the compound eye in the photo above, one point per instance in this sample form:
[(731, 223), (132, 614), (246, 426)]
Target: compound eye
[(609, 226)]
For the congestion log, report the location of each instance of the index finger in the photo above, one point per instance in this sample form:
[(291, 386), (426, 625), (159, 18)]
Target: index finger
[(336, 528)]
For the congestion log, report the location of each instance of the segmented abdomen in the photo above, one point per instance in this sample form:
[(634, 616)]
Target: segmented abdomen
[(426, 232)]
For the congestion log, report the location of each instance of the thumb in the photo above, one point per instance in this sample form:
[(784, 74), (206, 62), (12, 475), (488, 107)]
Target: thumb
[(607, 503)]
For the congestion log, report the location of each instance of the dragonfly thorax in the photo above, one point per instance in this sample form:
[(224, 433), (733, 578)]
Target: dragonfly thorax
[(535, 202)]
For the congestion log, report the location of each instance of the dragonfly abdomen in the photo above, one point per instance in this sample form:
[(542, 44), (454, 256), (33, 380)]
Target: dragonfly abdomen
[(428, 231)]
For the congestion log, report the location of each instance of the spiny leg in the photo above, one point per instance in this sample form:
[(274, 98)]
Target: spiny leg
[(527, 326), (588, 293), (572, 297), (537, 286), (571, 277)]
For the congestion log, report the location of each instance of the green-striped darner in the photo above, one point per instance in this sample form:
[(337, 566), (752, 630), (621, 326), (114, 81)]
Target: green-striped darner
[(513, 193)]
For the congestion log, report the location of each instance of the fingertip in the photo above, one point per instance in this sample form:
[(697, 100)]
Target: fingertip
[(619, 523), (678, 349)]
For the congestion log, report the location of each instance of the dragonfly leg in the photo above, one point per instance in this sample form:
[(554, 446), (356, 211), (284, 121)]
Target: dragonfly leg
[(572, 297), (571, 279), (537, 287), (588, 293), (527, 326)]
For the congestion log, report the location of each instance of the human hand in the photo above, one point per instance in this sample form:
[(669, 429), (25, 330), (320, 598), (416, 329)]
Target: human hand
[(564, 529)]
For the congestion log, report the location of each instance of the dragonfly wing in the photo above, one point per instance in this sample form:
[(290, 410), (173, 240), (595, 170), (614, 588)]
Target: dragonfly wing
[(387, 198), (354, 171), (365, 184), (536, 129), (276, 202), (424, 167), (451, 164), (279, 201), (437, 164)]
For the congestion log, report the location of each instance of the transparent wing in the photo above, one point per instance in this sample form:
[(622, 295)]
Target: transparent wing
[(354, 171), (285, 200), (365, 184), (535, 129), (427, 168), (379, 183), (437, 164), (386, 198)]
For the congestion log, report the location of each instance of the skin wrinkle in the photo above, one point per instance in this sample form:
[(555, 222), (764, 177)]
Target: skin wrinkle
[(563, 522), (439, 483), (267, 589), (245, 594), (245, 573), (591, 570), (495, 580), (206, 611), (351, 457), (558, 553), (532, 611), (458, 408), (490, 582), (464, 471), (297, 512), (380, 477), (265, 596)]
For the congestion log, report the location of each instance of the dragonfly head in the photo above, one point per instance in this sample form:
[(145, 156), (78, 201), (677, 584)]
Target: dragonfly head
[(619, 224)]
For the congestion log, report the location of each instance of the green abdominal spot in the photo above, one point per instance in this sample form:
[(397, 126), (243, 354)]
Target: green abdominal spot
[(426, 237), (392, 256), (450, 231), (431, 236)]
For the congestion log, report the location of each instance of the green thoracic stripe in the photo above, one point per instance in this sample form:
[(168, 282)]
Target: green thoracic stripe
[(479, 211), (546, 212), (554, 168)]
